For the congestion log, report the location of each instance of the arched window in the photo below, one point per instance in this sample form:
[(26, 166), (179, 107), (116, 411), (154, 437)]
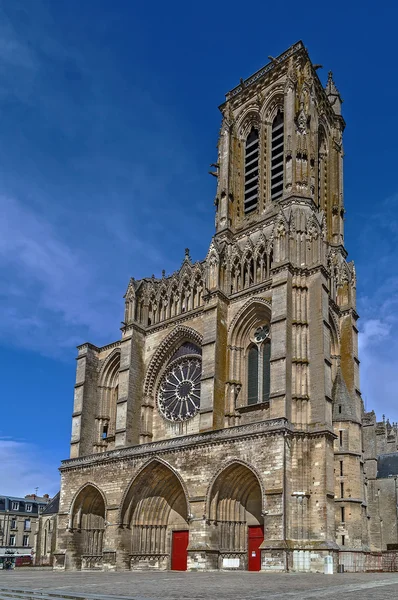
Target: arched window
[(258, 367), (108, 397), (251, 171), (252, 375), (277, 157), (322, 169)]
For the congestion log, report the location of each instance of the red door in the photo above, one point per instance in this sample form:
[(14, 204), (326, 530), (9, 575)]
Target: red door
[(256, 537), (179, 548)]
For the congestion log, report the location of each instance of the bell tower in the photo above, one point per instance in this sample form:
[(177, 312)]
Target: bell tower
[(281, 138), (280, 179)]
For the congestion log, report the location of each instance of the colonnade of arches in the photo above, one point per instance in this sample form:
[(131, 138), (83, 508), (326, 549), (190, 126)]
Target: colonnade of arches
[(155, 519)]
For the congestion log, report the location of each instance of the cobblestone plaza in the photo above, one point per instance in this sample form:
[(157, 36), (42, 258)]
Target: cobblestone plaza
[(203, 586)]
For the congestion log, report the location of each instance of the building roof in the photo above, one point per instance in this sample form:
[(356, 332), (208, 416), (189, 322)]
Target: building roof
[(343, 404), (53, 506), (387, 465), (28, 499), (274, 62)]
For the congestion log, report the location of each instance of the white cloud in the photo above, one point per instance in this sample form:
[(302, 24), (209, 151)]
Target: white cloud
[(23, 468), (378, 353), (59, 286), (373, 331), (51, 295)]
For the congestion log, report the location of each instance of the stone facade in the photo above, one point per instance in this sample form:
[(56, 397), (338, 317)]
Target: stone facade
[(19, 519), (224, 428), (381, 468), (46, 534)]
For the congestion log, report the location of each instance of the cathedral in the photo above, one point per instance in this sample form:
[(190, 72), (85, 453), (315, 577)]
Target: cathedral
[(224, 429)]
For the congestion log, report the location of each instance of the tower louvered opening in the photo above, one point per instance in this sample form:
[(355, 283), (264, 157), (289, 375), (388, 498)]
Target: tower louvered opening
[(251, 171), (277, 157)]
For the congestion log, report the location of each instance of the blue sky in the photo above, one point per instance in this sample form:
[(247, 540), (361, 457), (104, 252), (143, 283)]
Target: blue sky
[(108, 123)]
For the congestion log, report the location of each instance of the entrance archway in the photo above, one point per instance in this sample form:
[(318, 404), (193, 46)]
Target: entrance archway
[(156, 510), (235, 507), (88, 525)]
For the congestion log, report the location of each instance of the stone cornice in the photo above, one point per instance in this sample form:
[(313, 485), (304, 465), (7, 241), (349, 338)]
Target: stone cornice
[(266, 69), (183, 442), (87, 345), (221, 436), (110, 346)]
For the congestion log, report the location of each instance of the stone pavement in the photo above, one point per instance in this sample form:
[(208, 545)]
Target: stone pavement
[(205, 586)]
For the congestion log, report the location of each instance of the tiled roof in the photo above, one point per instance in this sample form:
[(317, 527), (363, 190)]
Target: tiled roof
[(53, 506)]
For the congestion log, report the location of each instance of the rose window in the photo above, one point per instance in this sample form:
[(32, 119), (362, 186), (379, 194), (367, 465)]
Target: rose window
[(179, 392)]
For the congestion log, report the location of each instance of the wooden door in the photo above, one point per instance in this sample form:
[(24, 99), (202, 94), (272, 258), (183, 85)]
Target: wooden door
[(179, 548), (255, 538)]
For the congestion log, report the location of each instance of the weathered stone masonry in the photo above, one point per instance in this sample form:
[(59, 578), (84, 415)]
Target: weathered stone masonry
[(224, 428)]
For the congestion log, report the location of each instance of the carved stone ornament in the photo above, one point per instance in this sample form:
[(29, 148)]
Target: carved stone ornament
[(261, 334), (302, 122), (280, 229)]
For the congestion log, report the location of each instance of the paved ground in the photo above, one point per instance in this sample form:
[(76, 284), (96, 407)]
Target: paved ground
[(208, 586)]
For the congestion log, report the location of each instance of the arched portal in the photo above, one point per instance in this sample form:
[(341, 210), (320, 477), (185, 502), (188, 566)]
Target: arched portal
[(88, 524), (156, 510), (236, 509)]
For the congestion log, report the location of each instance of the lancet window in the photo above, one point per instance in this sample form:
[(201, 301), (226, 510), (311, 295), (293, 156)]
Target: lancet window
[(322, 169), (277, 153), (251, 171), (258, 366)]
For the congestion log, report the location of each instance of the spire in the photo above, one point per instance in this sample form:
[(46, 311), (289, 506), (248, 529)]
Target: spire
[(187, 257), (333, 94), (343, 404)]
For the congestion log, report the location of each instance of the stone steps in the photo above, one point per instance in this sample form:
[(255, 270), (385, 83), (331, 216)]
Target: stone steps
[(47, 594)]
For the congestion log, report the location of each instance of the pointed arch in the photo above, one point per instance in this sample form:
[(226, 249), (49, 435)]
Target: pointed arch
[(277, 155), (223, 469), (108, 364), (235, 503), (323, 175), (154, 504), (273, 102), (250, 358), (88, 484), (108, 383), (247, 120), (147, 466), (178, 336), (256, 310), (87, 524)]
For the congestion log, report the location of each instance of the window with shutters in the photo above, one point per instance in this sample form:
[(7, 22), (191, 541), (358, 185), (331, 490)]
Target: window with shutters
[(258, 367), (251, 171), (277, 155)]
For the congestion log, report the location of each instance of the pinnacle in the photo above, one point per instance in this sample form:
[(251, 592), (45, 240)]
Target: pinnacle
[(331, 88)]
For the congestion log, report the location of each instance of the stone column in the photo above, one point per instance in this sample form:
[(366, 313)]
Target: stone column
[(281, 343), (131, 375), (85, 402), (214, 362), (203, 547), (320, 377)]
